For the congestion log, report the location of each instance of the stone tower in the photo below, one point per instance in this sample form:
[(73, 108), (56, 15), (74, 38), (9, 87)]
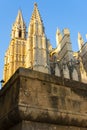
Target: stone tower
[(15, 54), (64, 45), (27, 51), (37, 44)]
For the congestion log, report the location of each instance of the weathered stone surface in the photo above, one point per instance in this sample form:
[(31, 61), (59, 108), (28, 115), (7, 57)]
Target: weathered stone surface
[(27, 125), (34, 96)]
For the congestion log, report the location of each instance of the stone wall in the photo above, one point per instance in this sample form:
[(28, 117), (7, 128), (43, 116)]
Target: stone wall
[(27, 125), (36, 97)]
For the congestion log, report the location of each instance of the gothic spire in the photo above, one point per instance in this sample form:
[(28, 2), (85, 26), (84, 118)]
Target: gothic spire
[(19, 27), (36, 25), (19, 18), (36, 15)]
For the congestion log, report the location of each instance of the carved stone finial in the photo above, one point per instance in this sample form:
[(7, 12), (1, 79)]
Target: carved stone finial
[(58, 37), (80, 41), (66, 31)]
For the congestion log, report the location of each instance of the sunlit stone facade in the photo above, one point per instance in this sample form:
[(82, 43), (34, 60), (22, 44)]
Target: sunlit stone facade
[(34, 51)]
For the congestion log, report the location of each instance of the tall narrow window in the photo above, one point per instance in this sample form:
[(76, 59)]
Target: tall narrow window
[(20, 33)]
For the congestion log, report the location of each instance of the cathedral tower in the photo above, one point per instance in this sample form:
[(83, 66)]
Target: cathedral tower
[(15, 54), (31, 52), (37, 44), (19, 28)]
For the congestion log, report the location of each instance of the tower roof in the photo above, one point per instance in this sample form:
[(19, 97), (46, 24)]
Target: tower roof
[(18, 25), (19, 18), (36, 15)]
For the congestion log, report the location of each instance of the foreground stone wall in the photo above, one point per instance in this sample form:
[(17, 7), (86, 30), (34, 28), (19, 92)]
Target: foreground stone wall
[(26, 125), (36, 97)]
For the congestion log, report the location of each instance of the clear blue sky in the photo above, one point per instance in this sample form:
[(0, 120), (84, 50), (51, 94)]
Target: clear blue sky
[(70, 14)]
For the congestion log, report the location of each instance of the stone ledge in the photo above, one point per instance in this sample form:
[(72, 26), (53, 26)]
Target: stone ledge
[(29, 125), (52, 116)]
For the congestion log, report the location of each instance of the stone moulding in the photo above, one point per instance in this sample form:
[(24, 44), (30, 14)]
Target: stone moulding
[(34, 96)]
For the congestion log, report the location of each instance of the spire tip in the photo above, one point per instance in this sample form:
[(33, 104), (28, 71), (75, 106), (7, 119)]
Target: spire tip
[(35, 4)]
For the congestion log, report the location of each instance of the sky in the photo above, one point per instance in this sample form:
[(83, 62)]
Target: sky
[(71, 14)]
